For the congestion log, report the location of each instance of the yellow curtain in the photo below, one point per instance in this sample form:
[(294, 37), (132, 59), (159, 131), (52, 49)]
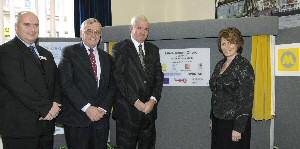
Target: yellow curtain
[(111, 44), (262, 62)]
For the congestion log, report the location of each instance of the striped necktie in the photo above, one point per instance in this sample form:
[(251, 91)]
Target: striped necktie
[(141, 55), (34, 53)]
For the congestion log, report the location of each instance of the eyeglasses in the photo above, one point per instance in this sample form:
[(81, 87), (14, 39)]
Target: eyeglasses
[(90, 32)]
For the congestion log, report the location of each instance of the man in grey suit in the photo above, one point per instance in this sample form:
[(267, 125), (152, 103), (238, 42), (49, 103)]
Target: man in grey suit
[(29, 89), (88, 89), (139, 77)]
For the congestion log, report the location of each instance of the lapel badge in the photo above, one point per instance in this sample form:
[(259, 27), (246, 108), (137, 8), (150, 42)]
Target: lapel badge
[(43, 58)]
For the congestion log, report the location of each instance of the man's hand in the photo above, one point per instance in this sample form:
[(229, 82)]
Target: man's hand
[(48, 117), (149, 106), (94, 113), (140, 105), (53, 113), (55, 109)]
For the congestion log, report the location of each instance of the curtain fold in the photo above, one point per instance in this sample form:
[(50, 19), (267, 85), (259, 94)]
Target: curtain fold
[(84, 9), (262, 58)]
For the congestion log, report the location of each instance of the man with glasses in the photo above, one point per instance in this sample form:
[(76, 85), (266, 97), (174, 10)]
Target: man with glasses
[(88, 87)]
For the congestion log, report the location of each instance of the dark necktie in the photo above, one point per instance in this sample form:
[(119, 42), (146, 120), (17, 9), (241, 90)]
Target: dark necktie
[(93, 61), (34, 53), (141, 55)]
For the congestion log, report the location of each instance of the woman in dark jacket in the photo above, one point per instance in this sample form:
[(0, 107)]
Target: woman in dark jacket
[(232, 86)]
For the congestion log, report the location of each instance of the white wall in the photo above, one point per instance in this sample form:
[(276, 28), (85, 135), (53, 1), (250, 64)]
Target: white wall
[(162, 10)]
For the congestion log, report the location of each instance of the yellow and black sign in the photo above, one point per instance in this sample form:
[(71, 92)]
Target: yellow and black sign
[(6, 33)]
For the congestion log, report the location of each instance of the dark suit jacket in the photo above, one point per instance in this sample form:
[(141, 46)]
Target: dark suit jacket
[(80, 87), (132, 82), (27, 89), (233, 92)]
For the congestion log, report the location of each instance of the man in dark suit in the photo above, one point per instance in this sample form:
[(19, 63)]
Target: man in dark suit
[(29, 90), (89, 89), (139, 80)]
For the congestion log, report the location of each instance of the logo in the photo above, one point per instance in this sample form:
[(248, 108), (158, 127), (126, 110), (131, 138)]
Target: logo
[(288, 59), (184, 80)]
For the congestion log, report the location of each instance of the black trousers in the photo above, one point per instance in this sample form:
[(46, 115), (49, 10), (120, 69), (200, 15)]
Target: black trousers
[(44, 141), (86, 137), (133, 133), (222, 135)]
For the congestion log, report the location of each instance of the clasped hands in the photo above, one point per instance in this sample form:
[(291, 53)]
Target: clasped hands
[(145, 107), (95, 113), (53, 113)]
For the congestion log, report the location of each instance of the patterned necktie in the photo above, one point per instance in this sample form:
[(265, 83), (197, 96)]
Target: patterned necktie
[(141, 55), (34, 53), (93, 61)]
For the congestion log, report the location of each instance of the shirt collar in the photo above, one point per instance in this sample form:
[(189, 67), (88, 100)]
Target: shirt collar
[(27, 44), (87, 48), (136, 43)]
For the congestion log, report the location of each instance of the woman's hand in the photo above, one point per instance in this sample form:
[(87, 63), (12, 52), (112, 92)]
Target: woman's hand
[(236, 136)]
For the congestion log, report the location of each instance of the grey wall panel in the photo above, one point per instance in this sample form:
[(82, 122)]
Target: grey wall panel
[(287, 120), (115, 33), (289, 35), (260, 134), (183, 118), (210, 28), (183, 112), (47, 39), (197, 28)]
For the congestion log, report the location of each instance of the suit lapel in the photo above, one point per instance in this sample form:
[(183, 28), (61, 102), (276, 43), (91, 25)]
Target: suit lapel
[(147, 55), (103, 65), (43, 62), (26, 51), (86, 61)]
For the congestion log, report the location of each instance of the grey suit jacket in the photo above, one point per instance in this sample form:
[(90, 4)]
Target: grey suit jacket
[(28, 88), (80, 87), (133, 82)]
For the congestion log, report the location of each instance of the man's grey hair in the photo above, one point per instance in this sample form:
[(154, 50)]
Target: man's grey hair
[(18, 17), (89, 21), (137, 18)]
